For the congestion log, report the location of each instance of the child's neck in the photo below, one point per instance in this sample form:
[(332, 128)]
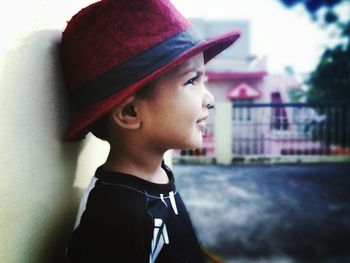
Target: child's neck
[(144, 165)]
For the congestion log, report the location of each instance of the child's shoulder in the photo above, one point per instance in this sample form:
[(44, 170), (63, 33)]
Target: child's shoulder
[(109, 198)]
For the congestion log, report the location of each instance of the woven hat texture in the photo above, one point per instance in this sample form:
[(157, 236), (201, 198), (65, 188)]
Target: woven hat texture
[(112, 48)]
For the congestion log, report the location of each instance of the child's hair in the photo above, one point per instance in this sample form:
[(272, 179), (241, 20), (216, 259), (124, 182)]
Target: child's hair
[(100, 127)]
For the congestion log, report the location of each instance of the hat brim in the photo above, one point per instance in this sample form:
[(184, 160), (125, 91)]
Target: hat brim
[(81, 121)]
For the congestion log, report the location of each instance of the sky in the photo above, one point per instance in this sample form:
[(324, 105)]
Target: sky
[(287, 37)]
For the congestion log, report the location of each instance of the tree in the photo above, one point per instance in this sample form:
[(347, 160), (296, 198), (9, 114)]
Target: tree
[(330, 81)]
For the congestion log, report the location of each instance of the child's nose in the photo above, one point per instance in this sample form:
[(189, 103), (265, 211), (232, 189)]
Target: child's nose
[(208, 100)]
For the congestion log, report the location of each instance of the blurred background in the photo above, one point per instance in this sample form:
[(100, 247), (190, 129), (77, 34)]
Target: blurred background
[(270, 183)]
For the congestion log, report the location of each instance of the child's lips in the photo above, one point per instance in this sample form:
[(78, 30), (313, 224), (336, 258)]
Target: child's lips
[(202, 123)]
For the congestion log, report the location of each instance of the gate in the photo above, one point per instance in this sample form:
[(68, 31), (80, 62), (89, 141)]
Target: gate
[(275, 133), (290, 129)]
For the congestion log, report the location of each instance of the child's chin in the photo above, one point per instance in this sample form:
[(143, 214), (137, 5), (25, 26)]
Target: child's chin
[(197, 143)]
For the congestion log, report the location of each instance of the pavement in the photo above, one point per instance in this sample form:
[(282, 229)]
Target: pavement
[(267, 213)]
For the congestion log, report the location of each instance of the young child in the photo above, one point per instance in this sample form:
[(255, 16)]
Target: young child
[(135, 70)]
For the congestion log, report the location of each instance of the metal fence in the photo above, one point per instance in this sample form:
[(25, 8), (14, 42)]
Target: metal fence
[(276, 129)]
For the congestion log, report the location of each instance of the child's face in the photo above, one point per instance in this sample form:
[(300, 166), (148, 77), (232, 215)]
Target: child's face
[(174, 117)]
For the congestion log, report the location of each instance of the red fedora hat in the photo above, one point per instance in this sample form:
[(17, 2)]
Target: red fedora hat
[(112, 48)]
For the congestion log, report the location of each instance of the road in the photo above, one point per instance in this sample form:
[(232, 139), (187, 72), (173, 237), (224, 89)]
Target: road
[(277, 214)]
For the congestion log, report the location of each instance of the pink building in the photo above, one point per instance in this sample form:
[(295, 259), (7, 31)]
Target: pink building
[(237, 76)]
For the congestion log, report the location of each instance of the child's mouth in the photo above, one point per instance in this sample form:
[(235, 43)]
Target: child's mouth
[(202, 123)]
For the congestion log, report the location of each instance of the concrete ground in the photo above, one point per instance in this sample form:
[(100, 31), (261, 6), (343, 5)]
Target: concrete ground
[(277, 214)]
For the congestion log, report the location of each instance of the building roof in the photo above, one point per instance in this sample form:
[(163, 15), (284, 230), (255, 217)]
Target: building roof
[(243, 91)]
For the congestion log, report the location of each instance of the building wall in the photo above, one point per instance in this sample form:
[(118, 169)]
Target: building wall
[(41, 178), (219, 89), (211, 28)]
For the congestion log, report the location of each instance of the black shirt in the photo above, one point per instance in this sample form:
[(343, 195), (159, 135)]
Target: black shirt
[(127, 219)]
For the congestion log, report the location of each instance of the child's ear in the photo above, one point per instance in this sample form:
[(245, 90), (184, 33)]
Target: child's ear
[(126, 116)]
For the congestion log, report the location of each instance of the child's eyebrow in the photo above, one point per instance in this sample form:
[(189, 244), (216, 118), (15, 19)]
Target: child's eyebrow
[(198, 71)]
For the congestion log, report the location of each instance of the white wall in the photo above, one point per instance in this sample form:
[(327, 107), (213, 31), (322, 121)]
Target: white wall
[(38, 172), (41, 178)]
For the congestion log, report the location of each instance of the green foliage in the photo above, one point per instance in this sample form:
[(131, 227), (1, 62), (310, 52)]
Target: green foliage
[(330, 81), (296, 94), (313, 5)]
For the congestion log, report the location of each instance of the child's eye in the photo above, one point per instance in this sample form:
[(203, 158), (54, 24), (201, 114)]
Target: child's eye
[(192, 81)]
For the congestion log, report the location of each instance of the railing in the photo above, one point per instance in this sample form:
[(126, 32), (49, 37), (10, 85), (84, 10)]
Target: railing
[(274, 132), (291, 129)]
